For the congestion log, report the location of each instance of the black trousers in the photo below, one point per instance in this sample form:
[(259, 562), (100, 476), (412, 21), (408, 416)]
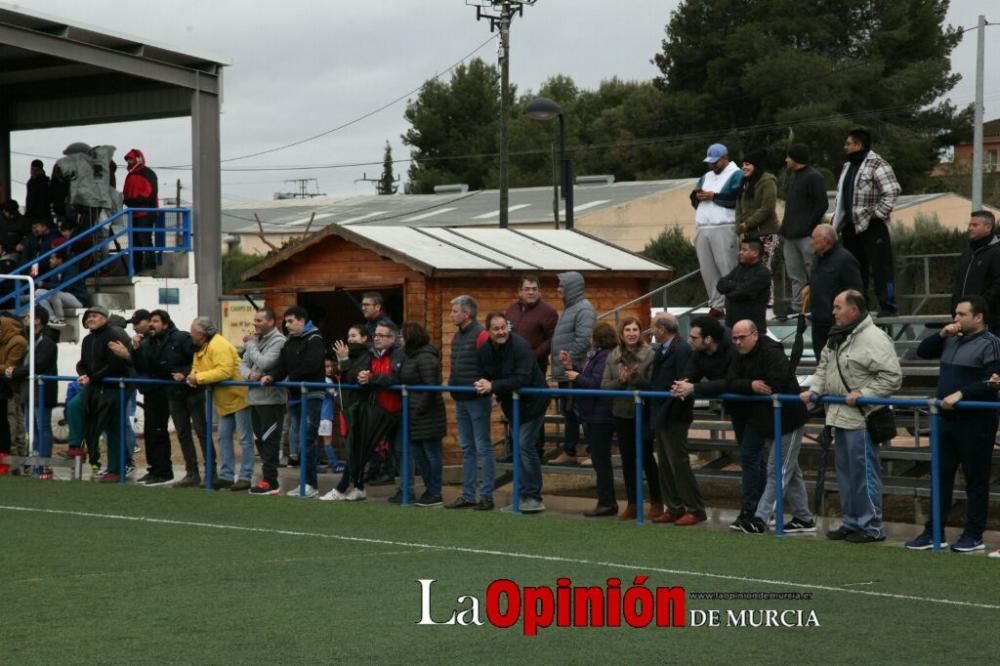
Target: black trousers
[(967, 441), (267, 422), (625, 429), (599, 438), (873, 250), (187, 409), (157, 414), (820, 334)]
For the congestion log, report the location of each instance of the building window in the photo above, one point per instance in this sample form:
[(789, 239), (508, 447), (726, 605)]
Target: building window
[(991, 161)]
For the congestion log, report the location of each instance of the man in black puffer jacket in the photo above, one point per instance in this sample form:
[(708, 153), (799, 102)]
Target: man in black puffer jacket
[(763, 369), (747, 287), (978, 271), (100, 400)]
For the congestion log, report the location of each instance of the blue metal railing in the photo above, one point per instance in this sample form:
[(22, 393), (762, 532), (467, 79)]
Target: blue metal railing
[(93, 243), (775, 401)]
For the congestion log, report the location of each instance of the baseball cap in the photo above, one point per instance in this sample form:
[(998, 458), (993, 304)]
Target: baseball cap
[(715, 151)]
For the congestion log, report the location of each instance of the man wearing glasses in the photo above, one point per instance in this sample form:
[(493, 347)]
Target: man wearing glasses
[(373, 308)]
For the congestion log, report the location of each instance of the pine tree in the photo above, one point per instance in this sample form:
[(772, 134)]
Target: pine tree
[(387, 183)]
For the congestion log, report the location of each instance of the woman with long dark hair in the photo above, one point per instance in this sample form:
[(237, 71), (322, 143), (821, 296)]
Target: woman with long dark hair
[(596, 415), (422, 365), (756, 209), (628, 368)]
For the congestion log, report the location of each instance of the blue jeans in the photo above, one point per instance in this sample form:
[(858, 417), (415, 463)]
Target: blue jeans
[(427, 455), (313, 405), (240, 422), (531, 466), (859, 480), (754, 469), (473, 418), (130, 441)]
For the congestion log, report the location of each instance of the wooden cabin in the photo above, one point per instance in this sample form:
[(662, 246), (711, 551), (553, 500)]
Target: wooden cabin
[(420, 270)]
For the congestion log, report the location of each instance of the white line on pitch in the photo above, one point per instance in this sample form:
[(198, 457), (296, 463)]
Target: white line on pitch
[(500, 553)]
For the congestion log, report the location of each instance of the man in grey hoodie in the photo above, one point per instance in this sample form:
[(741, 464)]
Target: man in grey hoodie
[(261, 353), (572, 335)]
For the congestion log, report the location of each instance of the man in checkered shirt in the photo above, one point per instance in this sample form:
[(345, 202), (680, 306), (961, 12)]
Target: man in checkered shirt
[(866, 195)]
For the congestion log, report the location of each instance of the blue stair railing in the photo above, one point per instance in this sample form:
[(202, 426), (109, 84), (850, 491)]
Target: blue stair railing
[(103, 244)]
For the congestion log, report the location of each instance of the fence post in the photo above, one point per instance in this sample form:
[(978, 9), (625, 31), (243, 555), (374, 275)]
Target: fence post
[(515, 439), (303, 435), (639, 514), (43, 447), (404, 454), (209, 441), (936, 527), (130, 221), (779, 469), (122, 418)]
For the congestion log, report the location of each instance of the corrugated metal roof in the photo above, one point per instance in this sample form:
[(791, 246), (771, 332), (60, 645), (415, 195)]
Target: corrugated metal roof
[(442, 250), (528, 205)]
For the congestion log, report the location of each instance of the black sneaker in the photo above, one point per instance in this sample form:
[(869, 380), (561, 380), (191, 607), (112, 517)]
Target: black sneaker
[(862, 537), (144, 478), (397, 498), (293, 461), (189, 481), (428, 500), (462, 503), (484, 505), (796, 526), (154, 481), (756, 526), (839, 534), (264, 488), (741, 522)]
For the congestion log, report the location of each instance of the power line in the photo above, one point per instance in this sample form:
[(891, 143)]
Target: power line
[(363, 116)]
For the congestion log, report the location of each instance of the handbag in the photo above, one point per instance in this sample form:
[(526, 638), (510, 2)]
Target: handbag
[(342, 426), (880, 422)]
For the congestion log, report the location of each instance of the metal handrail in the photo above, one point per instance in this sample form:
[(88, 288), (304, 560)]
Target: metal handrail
[(649, 294)]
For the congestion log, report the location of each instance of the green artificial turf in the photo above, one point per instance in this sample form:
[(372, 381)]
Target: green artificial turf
[(89, 589)]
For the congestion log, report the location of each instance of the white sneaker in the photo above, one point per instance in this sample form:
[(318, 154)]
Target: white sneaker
[(531, 505), (333, 496), (355, 495), (995, 553), (310, 492)]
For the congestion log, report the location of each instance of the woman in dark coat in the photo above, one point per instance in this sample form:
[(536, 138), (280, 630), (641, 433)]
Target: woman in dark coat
[(422, 365), (596, 415)]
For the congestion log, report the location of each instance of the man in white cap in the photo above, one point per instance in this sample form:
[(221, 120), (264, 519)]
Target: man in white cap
[(715, 237)]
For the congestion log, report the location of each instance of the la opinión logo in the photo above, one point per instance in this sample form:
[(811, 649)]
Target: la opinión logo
[(565, 605)]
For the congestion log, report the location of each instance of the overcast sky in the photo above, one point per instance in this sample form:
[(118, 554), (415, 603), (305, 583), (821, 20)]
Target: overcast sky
[(300, 67)]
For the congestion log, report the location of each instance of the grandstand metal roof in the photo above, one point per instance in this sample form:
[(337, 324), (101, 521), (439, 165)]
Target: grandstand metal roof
[(54, 73), (441, 250), (527, 205)]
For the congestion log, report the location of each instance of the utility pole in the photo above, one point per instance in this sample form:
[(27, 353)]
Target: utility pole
[(504, 12), (977, 138)]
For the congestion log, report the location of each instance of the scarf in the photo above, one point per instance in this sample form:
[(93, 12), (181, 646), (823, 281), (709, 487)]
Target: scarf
[(839, 333)]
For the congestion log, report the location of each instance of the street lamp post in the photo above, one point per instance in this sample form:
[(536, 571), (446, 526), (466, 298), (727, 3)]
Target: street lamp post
[(542, 108)]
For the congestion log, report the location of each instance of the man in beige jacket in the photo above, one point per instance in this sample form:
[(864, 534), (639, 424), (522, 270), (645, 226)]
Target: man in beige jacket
[(858, 361)]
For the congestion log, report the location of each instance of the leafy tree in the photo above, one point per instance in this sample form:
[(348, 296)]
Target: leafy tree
[(771, 72), (386, 183)]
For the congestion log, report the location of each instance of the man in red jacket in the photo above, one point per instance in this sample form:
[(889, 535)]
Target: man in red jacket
[(535, 321), (141, 191)]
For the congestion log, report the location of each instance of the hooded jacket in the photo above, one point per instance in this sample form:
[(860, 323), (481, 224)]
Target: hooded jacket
[(574, 327), (261, 354), (13, 343), (140, 189), (427, 415), (301, 360), (758, 209), (869, 363), (215, 362)]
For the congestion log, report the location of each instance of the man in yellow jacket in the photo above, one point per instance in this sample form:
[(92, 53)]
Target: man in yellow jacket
[(216, 360)]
